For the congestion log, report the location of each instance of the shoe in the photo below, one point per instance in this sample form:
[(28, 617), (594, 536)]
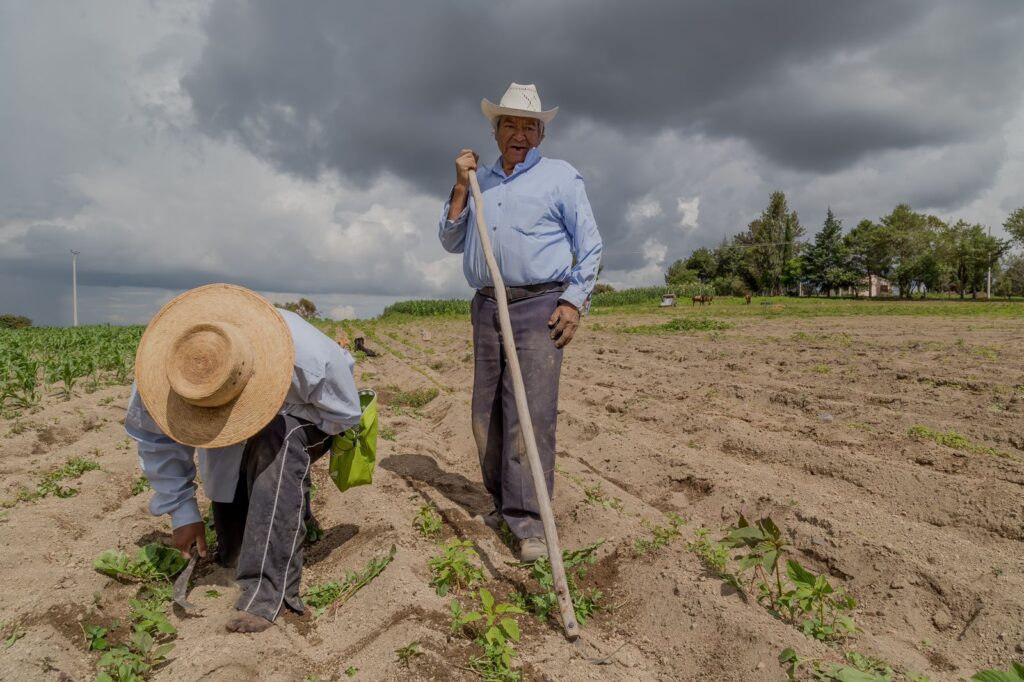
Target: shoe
[(531, 549), (492, 519)]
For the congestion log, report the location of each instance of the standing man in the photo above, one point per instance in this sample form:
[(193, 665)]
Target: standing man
[(260, 392), (548, 249)]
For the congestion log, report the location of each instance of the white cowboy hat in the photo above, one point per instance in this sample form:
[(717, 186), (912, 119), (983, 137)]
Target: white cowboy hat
[(214, 365), (518, 100)]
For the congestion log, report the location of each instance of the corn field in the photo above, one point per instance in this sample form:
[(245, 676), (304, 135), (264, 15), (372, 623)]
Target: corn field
[(428, 308), (42, 360)]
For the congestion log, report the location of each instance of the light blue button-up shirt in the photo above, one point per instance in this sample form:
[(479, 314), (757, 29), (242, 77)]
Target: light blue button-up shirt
[(322, 391), (539, 218)]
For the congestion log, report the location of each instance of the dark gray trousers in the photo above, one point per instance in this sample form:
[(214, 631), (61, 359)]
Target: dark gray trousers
[(263, 528), (499, 440)]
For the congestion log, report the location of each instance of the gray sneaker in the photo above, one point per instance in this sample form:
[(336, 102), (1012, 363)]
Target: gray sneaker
[(492, 519), (531, 549)]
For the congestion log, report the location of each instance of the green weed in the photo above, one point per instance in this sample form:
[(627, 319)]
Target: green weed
[(661, 536), (141, 485), (457, 567), (153, 562), (954, 440), (334, 594), (495, 635), (387, 433), (407, 653), (427, 521), (799, 597), (416, 398), (544, 603), (680, 324), (1014, 674)]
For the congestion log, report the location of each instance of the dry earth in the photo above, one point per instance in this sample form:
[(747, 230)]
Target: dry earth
[(803, 420)]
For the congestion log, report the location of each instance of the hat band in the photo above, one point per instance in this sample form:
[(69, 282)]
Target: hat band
[(209, 364)]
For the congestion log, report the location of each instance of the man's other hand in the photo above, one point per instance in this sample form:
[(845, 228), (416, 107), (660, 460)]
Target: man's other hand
[(564, 322), (183, 537)]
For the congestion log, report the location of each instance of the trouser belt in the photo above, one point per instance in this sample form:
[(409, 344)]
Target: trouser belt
[(517, 293)]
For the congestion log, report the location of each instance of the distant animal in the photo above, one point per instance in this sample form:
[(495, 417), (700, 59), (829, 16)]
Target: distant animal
[(746, 297), (342, 340), (362, 348), (702, 299)]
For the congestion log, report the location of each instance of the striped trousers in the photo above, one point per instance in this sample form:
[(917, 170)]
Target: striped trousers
[(262, 530)]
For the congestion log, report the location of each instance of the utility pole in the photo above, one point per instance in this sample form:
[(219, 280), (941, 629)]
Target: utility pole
[(74, 284), (988, 290)]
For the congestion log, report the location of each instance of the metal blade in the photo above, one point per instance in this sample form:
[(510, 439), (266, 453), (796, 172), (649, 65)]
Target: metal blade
[(181, 583)]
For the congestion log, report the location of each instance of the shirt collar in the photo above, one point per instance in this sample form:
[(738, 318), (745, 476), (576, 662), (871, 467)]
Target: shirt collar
[(532, 159)]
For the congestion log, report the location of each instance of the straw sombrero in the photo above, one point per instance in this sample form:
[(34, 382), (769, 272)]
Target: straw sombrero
[(518, 100), (214, 365)]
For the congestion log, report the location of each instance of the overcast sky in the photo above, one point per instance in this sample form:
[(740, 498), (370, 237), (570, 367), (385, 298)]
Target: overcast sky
[(305, 148)]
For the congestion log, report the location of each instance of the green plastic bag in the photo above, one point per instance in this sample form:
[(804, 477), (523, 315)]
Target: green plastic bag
[(354, 452)]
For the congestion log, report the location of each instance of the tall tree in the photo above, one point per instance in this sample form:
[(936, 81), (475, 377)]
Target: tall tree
[(869, 251), (972, 252), (1015, 225), (772, 241), (1011, 277), (827, 262), (703, 262)]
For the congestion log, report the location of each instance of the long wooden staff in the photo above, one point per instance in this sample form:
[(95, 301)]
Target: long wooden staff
[(547, 517)]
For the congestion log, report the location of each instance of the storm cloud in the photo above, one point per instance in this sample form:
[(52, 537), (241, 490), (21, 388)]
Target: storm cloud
[(308, 147)]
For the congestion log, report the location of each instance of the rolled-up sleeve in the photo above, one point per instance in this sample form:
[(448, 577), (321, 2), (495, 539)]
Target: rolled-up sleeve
[(586, 244), (453, 232), (169, 466)]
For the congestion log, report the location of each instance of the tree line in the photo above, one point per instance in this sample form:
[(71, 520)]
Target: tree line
[(916, 252)]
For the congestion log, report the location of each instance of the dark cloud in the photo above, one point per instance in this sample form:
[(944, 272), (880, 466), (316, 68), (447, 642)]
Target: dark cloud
[(812, 85)]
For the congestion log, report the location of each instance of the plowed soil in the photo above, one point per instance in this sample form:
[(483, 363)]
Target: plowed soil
[(804, 420)]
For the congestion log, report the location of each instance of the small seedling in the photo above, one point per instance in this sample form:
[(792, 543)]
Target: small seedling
[(458, 567), (351, 671), (212, 594), (407, 653), (427, 521), (141, 485), (387, 433), (314, 533), (95, 637), (661, 536)]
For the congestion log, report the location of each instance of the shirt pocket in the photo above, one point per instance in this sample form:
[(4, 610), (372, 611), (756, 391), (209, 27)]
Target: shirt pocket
[(534, 217)]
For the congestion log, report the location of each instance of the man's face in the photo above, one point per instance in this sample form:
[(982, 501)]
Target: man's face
[(515, 136)]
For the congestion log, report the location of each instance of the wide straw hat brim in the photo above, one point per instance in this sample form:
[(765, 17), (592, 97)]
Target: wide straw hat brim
[(492, 111), (272, 353)]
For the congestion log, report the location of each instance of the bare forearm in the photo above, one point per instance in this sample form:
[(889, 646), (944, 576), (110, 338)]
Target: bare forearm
[(460, 194)]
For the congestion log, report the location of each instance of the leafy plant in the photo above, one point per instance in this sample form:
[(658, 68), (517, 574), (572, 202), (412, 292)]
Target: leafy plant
[(16, 634), (95, 637), (545, 603), (334, 594), (351, 671), (387, 433), (458, 566), (802, 598), (427, 521), (864, 668), (153, 562), (407, 653), (499, 630), (1014, 674), (131, 663)]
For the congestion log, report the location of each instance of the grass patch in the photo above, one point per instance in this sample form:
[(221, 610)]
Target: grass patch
[(50, 484), (415, 398), (680, 324), (954, 440)]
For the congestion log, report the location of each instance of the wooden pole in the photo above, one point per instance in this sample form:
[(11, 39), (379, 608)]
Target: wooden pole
[(547, 517)]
